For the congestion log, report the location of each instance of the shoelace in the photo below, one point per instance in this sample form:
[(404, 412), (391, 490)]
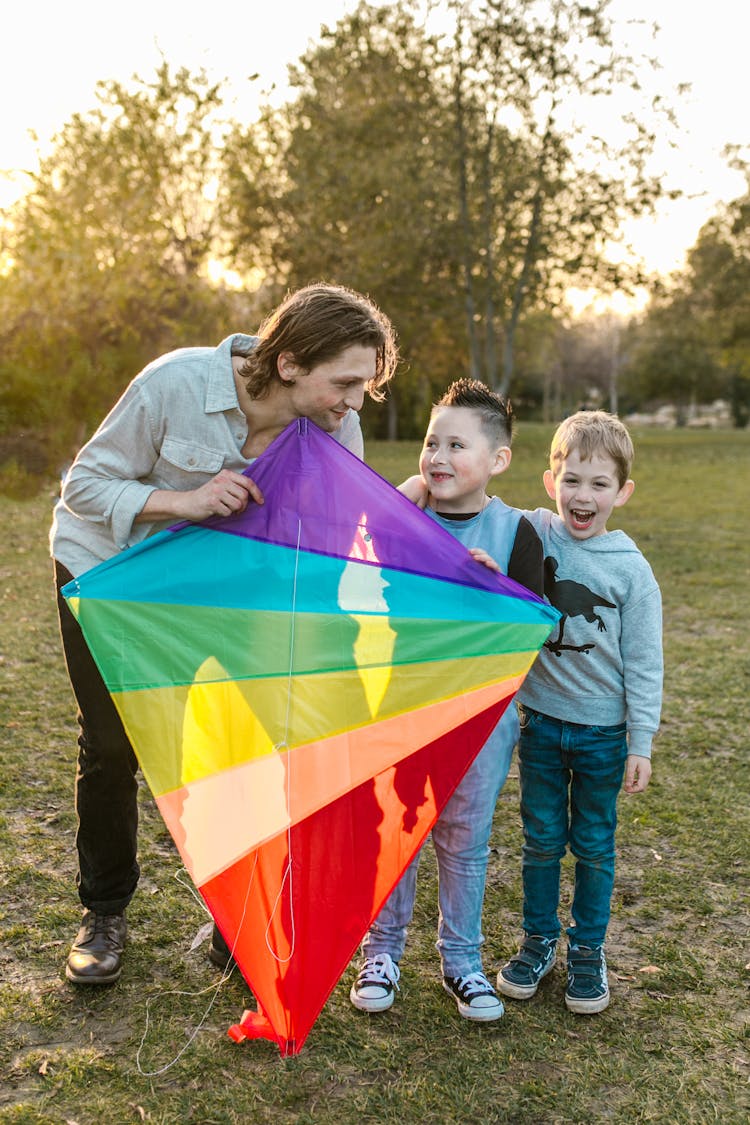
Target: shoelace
[(378, 969), (474, 984), (101, 924)]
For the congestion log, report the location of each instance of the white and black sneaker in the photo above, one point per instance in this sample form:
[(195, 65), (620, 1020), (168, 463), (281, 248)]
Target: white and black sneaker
[(475, 996), (375, 988)]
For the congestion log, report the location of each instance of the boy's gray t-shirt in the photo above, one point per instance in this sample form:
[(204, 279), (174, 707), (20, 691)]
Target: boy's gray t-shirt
[(495, 530), (602, 664)]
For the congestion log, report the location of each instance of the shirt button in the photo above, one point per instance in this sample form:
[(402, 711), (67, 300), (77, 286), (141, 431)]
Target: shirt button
[(191, 460)]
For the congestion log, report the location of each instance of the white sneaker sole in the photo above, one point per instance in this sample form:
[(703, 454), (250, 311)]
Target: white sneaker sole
[(480, 1015), (371, 1003), (586, 1007)]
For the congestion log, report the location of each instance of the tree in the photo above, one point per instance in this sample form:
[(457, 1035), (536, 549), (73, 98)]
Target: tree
[(671, 358), (694, 344), (353, 183), (399, 167), (719, 270), (106, 256), (546, 221)]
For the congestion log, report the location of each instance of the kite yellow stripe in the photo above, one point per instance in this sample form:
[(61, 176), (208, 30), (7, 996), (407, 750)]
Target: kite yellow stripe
[(191, 732)]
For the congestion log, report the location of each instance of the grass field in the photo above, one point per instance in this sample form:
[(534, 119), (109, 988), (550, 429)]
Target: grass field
[(672, 1047)]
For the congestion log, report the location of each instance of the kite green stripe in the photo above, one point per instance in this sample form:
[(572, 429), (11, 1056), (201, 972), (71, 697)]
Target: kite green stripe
[(150, 645)]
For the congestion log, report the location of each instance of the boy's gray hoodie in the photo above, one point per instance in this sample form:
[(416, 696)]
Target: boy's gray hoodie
[(602, 665)]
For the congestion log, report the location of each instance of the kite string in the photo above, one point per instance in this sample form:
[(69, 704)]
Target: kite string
[(215, 987), (284, 745)]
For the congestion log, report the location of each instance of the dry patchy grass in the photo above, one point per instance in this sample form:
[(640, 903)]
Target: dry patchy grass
[(672, 1047)]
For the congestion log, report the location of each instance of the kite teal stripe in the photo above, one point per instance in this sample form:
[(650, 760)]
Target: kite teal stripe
[(191, 570)]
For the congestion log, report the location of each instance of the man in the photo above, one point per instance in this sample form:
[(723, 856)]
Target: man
[(173, 447)]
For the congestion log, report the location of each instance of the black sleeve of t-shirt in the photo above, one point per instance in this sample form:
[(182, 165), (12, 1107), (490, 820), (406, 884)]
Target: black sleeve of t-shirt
[(526, 563)]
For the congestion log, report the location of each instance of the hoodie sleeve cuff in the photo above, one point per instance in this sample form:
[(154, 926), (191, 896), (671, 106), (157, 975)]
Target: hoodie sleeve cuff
[(639, 743)]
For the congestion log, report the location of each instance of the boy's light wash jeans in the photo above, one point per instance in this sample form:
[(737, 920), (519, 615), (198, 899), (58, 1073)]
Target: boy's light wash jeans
[(461, 840), (570, 778)]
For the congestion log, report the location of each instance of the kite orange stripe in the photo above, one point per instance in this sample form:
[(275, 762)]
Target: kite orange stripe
[(258, 799)]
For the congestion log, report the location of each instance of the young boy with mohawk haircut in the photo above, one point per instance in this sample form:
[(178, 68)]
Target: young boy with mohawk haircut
[(467, 443), (589, 707)]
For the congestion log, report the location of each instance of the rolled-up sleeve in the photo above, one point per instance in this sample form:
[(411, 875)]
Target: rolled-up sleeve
[(106, 483)]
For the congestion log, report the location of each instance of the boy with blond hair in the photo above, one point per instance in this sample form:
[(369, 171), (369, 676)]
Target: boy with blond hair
[(589, 707)]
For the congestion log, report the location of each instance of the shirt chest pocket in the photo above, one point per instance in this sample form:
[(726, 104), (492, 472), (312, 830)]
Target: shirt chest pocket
[(188, 462)]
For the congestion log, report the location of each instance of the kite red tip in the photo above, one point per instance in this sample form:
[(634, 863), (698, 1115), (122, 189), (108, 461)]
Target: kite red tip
[(254, 1025)]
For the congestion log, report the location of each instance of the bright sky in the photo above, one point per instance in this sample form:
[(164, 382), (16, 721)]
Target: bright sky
[(53, 54)]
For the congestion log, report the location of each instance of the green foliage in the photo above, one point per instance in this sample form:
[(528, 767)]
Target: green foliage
[(105, 257), (16, 481), (392, 170), (694, 344), (546, 216), (453, 176), (353, 182)]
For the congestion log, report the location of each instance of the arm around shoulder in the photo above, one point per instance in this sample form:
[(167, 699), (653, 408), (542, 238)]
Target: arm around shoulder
[(526, 562), (415, 489)]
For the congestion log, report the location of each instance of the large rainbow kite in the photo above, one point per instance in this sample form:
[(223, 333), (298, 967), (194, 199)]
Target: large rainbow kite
[(305, 684)]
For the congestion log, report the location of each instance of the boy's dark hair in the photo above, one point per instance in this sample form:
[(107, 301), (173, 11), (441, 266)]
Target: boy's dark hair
[(495, 411), (315, 325)]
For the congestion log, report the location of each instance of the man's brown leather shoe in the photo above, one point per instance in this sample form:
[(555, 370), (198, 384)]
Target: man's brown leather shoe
[(96, 955), (219, 953)]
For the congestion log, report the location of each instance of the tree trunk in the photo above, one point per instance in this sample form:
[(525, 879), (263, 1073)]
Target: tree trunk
[(519, 292), (392, 416), (614, 367), (490, 351), (463, 198), (529, 254)]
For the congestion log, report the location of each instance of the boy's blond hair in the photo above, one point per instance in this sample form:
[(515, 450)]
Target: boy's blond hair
[(590, 432)]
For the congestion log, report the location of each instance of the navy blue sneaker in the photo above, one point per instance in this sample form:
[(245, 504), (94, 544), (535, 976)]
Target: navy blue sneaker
[(520, 978), (588, 990)]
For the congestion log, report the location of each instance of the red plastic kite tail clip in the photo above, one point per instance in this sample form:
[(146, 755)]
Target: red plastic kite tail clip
[(255, 1025)]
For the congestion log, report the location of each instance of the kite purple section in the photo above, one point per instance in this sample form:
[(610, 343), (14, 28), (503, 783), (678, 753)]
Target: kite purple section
[(306, 470)]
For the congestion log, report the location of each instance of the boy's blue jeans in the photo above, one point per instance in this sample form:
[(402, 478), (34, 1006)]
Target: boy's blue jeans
[(570, 778), (461, 840)]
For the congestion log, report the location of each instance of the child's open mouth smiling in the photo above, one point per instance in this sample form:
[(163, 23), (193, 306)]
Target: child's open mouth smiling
[(581, 520)]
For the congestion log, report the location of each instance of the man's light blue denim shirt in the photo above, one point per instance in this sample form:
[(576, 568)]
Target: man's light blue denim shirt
[(176, 426)]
